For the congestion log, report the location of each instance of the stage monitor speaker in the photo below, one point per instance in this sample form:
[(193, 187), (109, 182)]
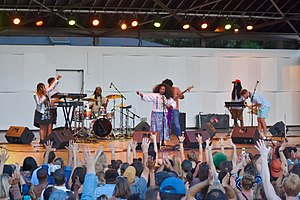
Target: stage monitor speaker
[(191, 138), (142, 126), (210, 129), (219, 121), (60, 138), (277, 129), (19, 135), (182, 122), (245, 135), (139, 135)]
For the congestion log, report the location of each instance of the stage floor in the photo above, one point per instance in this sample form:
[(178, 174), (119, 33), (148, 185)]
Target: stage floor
[(18, 152)]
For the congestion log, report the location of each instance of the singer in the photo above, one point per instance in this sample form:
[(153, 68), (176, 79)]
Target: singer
[(263, 106), (161, 99)]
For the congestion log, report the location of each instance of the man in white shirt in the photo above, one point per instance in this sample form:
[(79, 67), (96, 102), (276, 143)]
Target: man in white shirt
[(263, 109)]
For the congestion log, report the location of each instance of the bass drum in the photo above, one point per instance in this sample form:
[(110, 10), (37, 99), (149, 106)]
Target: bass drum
[(102, 127)]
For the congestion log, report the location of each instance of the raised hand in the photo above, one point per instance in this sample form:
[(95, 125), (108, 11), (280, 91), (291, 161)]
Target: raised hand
[(48, 146), (225, 180), (221, 141), (282, 146), (14, 180), (89, 160), (153, 137), (133, 144), (199, 139), (262, 148), (150, 163), (181, 138), (98, 153), (145, 144), (4, 157), (231, 143)]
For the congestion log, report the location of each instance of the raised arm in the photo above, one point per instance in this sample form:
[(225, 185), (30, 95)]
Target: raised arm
[(234, 154), (199, 139), (222, 145), (153, 137), (268, 187), (3, 158), (181, 140), (191, 193), (49, 148)]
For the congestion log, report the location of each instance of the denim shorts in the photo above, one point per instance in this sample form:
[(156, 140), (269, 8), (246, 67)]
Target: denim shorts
[(263, 112)]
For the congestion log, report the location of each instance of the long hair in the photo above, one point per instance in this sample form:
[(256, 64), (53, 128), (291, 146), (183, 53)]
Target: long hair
[(100, 167), (96, 95), (168, 93), (39, 89), (236, 87), (122, 189)]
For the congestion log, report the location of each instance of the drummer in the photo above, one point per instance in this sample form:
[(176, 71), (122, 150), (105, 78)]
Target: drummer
[(98, 102)]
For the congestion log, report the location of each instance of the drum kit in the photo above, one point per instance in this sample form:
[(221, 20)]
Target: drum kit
[(91, 125)]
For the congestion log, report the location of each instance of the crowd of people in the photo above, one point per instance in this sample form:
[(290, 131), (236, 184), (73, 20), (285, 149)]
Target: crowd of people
[(273, 173)]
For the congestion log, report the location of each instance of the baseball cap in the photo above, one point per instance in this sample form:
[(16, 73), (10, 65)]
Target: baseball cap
[(236, 81), (275, 167), (173, 185)]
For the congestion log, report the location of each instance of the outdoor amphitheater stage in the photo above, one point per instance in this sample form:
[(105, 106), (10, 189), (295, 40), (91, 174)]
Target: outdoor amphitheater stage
[(17, 152)]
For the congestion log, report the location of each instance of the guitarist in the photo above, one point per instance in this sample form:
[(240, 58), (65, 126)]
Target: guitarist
[(173, 114), (263, 109)]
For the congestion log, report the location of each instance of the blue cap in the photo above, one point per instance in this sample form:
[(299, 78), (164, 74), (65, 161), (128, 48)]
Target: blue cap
[(173, 185)]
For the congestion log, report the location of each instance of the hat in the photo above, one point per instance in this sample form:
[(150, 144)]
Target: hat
[(173, 185), (160, 177), (130, 174), (236, 81), (275, 168)]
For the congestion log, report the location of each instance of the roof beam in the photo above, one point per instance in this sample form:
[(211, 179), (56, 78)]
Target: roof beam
[(283, 15)]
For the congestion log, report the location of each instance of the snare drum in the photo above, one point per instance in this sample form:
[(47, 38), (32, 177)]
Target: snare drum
[(101, 127), (88, 114)]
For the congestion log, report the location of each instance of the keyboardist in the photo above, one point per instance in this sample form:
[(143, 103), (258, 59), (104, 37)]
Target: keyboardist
[(237, 112)]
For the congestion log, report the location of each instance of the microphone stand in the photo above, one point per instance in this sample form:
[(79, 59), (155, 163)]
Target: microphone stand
[(252, 102), (122, 103), (163, 123), (133, 117)]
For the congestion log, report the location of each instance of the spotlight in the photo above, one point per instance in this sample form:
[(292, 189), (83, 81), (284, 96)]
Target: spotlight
[(157, 24), (95, 22), (123, 26), (185, 26), (204, 25), (227, 26), (249, 27), (72, 21), (16, 21), (39, 23), (134, 23), (236, 30)]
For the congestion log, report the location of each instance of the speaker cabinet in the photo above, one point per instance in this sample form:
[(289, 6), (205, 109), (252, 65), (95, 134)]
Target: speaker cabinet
[(191, 138), (139, 135), (142, 126), (218, 121), (19, 135), (60, 138), (245, 135), (210, 129), (277, 129)]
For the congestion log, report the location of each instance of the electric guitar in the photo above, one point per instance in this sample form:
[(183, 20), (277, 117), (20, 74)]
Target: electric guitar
[(188, 89)]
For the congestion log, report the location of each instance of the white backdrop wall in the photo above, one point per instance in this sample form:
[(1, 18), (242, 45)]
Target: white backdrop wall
[(209, 70)]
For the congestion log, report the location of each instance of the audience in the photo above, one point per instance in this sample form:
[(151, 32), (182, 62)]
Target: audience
[(273, 174)]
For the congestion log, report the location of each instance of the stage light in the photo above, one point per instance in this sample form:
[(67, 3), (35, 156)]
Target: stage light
[(16, 21), (134, 23), (95, 22), (236, 30), (39, 23), (185, 26), (157, 24), (204, 25), (227, 26), (123, 26), (249, 27), (72, 20)]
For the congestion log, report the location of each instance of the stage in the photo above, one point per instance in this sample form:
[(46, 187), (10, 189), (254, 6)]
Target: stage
[(18, 152)]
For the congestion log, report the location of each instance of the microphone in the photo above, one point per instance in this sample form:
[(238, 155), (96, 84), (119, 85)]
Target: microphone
[(257, 81), (110, 84)]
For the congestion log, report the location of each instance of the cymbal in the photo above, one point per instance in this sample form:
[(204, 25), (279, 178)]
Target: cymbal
[(113, 96), (89, 99)]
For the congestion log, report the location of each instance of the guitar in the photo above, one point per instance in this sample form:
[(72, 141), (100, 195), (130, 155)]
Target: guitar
[(255, 110), (188, 89)]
